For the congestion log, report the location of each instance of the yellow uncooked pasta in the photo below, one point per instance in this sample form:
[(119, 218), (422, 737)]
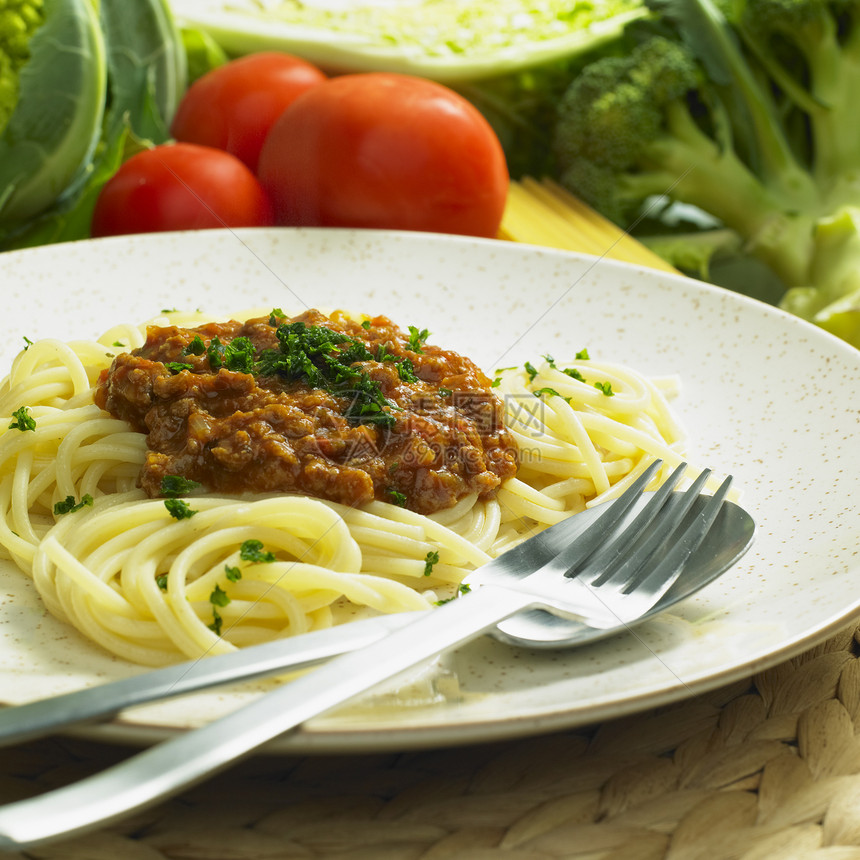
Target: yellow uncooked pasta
[(155, 589)]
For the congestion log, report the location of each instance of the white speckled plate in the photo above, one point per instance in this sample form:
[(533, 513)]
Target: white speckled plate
[(766, 397)]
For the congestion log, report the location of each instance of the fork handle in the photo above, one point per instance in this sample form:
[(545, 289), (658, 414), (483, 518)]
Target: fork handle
[(173, 765)]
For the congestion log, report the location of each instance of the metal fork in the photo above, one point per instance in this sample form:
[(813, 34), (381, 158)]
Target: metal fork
[(607, 573)]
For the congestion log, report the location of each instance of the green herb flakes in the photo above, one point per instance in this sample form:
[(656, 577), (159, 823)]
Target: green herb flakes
[(252, 550), (417, 338), (179, 509), (215, 353), (178, 366), (239, 355), (219, 597), (324, 359), (69, 505), (463, 588), (396, 497), (430, 560), (406, 371), (176, 485), (22, 420), (195, 347)]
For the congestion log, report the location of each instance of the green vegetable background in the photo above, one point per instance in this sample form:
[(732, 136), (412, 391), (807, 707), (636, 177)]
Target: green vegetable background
[(94, 82), (721, 133)]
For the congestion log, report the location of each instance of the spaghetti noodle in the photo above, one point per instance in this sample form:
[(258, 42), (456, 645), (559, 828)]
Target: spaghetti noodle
[(154, 582)]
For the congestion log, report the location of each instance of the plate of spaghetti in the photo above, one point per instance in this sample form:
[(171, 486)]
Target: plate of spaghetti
[(215, 439)]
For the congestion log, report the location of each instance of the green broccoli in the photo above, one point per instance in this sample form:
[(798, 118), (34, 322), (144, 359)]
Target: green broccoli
[(18, 22), (743, 110)]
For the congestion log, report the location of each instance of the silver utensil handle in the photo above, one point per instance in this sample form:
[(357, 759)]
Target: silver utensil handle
[(35, 719), (176, 764)]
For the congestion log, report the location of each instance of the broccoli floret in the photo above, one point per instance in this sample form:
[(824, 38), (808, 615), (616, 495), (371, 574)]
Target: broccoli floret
[(652, 124), (810, 50), (744, 109), (19, 19)]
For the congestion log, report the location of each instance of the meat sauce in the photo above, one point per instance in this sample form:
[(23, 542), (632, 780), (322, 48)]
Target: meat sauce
[(319, 405)]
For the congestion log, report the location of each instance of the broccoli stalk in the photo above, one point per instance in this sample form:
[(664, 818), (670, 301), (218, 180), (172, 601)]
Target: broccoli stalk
[(746, 114)]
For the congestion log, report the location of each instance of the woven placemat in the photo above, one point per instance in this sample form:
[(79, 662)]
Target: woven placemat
[(766, 769)]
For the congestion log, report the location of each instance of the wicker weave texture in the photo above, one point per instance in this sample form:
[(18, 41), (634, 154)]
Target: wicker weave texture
[(767, 769)]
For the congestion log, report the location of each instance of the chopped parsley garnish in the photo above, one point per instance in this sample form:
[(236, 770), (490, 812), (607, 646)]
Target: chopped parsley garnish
[(549, 360), (496, 382), (464, 588), (366, 325), (300, 352), (176, 485), (547, 390), (429, 560), (196, 346), (417, 338), (445, 392), (252, 550), (368, 404), (217, 598), (217, 622), (406, 371), (605, 387), (179, 509), (583, 355), (382, 354), (396, 497), (220, 598), (23, 420), (573, 373), (531, 370), (276, 316), (161, 581), (215, 353), (324, 359), (239, 355), (405, 367), (178, 366), (117, 343), (69, 505), (27, 342)]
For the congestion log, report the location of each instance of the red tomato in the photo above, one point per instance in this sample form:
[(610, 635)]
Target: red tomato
[(180, 186), (234, 106), (388, 151)]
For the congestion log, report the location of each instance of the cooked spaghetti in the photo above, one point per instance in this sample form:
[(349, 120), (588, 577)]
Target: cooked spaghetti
[(156, 556)]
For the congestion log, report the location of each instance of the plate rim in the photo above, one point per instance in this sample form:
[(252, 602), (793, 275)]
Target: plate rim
[(318, 737)]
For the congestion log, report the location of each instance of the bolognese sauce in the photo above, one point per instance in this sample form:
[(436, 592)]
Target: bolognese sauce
[(321, 405)]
